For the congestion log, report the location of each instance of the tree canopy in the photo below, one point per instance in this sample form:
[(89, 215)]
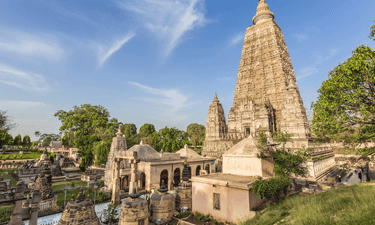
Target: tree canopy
[(196, 133), (86, 125), (372, 32), (26, 140), (5, 123), (130, 132), (146, 130), (345, 108), (17, 140)]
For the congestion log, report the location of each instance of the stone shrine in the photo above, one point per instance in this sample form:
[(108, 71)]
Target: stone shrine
[(134, 211), (266, 98), (79, 212), (153, 168), (42, 184), (183, 198), (162, 206)]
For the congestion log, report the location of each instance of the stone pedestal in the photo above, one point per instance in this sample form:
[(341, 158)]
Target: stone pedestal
[(184, 193), (162, 206), (16, 218), (134, 212)]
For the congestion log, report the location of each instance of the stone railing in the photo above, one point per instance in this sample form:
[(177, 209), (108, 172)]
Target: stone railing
[(10, 165)]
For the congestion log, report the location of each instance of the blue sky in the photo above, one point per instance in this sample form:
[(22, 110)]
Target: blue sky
[(156, 61)]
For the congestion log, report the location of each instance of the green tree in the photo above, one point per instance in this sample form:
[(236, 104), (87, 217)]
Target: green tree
[(5, 123), (89, 124), (172, 139), (196, 133), (37, 133), (26, 141), (345, 108), (17, 140), (101, 151), (46, 141), (372, 32), (146, 130), (130, 132), (3, 138)]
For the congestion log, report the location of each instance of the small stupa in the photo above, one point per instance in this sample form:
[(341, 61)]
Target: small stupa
[(184, 192), (162, 206), (42, 184), (79, 211), (134, 210)]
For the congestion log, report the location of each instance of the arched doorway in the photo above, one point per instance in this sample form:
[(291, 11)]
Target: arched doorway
[(164, 177), (198, 170), (125, 182), (176, 177), (208, 168), (189, 171), (143, 181)]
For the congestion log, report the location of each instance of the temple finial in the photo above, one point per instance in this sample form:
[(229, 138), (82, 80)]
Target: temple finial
[(263, 12), (215, 98), (119, 133)]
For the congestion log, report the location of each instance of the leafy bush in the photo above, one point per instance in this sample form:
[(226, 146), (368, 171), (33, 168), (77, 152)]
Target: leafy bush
[(270, 187), (200, 217), (183, 214)]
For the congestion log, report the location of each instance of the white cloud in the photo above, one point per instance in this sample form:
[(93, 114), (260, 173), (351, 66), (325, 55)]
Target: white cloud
[(20, 42), (300, 37), (307, 72), (172, 97), (170, 20), (23, 80), (19, 105), (222, 78), (237, 39), (105, 53)]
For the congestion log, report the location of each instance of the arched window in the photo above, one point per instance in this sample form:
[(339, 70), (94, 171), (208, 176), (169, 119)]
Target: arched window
[(208, 168), (164, 177), (198, 170), (176, 177)]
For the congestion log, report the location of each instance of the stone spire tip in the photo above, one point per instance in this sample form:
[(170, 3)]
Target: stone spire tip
[(119, 133), (215, 98)]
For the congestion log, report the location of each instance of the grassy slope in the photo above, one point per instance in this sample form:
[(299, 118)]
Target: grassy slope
[(338, 206), (16, 156)]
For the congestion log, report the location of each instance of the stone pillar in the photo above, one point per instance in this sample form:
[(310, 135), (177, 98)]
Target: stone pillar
[(116, 186), (16, 217)]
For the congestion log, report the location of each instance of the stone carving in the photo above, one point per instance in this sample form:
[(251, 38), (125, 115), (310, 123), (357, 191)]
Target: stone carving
[(217, 201)]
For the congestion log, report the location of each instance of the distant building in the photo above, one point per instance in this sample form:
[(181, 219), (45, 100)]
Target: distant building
[(55, 144)]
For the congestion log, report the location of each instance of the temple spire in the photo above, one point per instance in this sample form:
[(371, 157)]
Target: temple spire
[(215, 98), (263, 12), (119, 133)]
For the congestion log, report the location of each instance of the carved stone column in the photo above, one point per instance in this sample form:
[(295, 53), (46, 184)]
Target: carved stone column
[(16, 218), (116, 186), (36, 197)]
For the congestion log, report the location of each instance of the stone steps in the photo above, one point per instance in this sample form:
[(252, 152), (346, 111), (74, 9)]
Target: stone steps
[(331, 170)]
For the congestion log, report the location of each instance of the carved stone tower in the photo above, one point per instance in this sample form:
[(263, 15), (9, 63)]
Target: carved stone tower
[(263, 78), (118, 145), (216, 125)]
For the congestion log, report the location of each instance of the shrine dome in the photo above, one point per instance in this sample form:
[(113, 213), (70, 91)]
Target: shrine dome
[(145, 152), (187, 152)]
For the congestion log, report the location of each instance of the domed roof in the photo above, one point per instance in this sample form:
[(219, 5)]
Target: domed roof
[(145, 152), (246, 147), (188, 152)]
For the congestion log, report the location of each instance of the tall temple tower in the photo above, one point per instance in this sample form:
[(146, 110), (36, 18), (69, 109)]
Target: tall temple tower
[(266, 94), (264, 75), (266, 99), (216, 126)]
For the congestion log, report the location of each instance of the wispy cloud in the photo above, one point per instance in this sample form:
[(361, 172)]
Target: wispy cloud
[(23, 80), (300, 37), (223, 78), (320, 58), (237, 39), (307, 72), (171, 97), (19, 105), (170, 20), (34, 45), (106, 52)]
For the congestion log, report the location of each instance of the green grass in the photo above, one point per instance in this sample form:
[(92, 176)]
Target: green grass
[(13, 181), (338, 206), (17, 156), (5, 212), (56, 187)]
